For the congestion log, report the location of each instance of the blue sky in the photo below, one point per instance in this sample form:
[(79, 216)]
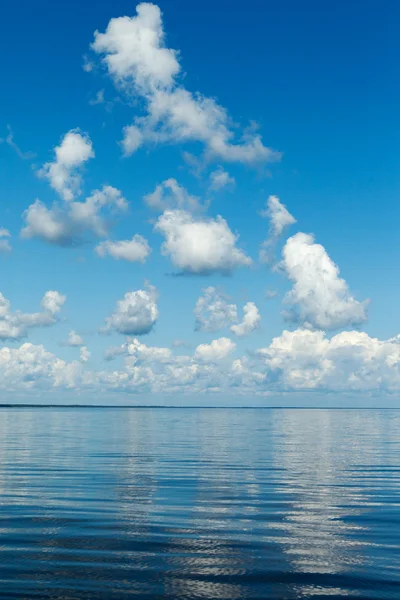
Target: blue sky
[(296, 106)]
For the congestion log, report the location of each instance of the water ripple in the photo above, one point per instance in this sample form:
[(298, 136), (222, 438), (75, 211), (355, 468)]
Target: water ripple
[(199, 504)]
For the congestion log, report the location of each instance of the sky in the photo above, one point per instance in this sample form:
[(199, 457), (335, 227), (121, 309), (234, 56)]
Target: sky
[(199, 203)]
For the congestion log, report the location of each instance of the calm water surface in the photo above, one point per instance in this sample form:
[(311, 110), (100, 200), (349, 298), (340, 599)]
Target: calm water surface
[(199, 504)]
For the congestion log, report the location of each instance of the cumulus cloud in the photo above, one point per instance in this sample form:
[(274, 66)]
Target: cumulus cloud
[(33, 367), (280, 218), (135, 54), (52, 302), (63, 172), (200, 246), (269, 294), (171, 195), (5, 245), (251, 320), (74, 340), (217, 350), (16, 324), (319, 297), (135, 250), (351, 360), (220, 179), (66, 225), (135, 314), (213, 311)]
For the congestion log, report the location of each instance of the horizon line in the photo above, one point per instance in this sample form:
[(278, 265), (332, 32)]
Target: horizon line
[(177, 407)]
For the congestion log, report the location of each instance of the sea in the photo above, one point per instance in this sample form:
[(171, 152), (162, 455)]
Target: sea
[(199, 503)]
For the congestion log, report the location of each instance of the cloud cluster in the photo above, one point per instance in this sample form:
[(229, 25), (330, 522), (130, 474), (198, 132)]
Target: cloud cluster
[(63, 172), (135, 314), (319, 298), (297, 360), (213, 312), (134, 52), (200, 246), (351, 360), (16, 324), (67, 225), (32, 367)]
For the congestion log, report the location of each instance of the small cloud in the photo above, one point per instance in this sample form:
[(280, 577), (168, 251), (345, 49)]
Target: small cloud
[(9, 139), (220, 179), (5, 245), (100, 99), (88, 65), (180, 344)]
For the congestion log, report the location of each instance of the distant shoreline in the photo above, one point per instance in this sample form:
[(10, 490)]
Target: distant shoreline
[(155, 406)]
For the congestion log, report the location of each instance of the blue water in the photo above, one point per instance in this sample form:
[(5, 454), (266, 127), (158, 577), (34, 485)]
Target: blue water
[(199, 504)]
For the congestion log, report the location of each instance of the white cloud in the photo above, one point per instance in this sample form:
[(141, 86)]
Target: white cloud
[(278, 214), (213, 311), (33, 367), (135, 250), (63, 173), (217, 350), (350, 360), (84, 354), (170, 195), (280, 218), (319, 297), (251, 320), (132, 140), (15, 325), (66, 225), (74, 340), (199, 245), (269, 294), (220, 179), (52, 302), (134, 52), (139, 352), (52, 226), (135, 314), (297, 360), (5, 245)]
